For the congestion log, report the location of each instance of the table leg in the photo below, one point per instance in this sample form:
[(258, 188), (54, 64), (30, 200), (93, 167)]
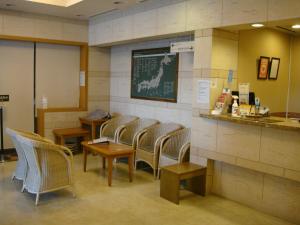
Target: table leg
[(57, 141), (62, 141), (103, 162), (130, 166), (93, 131), (84, 158), (110, 163)]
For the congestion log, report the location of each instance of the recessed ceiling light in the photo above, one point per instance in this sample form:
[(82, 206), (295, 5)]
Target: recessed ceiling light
[(296, 26), (257, 25), (63, 3)]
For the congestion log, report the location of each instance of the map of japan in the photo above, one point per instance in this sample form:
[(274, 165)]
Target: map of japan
[(154, 82), (154, 74)]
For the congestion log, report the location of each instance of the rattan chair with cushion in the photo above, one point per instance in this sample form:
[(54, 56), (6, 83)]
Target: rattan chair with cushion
[(148, 143), (49, 167), (128, 133), (110, 128), (21, 166), (175, 148)]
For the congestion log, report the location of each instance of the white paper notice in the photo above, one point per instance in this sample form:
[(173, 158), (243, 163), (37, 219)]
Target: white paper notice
[(203, 91), (82, 78)]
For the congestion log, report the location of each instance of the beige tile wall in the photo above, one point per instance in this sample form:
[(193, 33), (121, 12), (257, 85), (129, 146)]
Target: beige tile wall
[(271, 194), (155, 18), (120, 101), (40, 26), (267, 150)]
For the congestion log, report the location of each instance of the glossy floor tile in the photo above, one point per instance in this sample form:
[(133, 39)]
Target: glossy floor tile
[(124, 203)]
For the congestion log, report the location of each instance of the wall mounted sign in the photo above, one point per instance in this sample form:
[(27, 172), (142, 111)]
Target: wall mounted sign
[(263, 68), (274, 68), (82, 78), (184, 46), (4, 98), (203, 92), (154, 74)]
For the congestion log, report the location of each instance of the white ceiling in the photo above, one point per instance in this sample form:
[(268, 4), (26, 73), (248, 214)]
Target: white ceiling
[(85, 8)]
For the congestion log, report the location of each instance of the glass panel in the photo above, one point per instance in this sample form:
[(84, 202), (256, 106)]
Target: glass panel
[(294, 94)]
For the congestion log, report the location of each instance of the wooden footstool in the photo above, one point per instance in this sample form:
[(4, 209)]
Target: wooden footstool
[(61, 134), (171, 176)]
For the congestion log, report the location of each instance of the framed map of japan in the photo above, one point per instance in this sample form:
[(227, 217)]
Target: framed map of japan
[(154, 74)]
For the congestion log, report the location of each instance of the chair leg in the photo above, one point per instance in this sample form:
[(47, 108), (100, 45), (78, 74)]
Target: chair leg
[(135, 164), (154, 174), (158, 174), (37, 198), (23, 188), (73, 190), (13, 176)]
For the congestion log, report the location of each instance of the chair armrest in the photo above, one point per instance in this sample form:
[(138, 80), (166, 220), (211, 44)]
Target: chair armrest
[(183, 151), (119, 132), (102, 127), (140, 137)]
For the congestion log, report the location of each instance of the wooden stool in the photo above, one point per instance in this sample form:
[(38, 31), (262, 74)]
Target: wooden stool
[(172, 175), (61, 134)]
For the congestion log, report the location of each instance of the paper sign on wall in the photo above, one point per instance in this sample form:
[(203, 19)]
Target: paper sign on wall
[(203, 91), (82, 78)]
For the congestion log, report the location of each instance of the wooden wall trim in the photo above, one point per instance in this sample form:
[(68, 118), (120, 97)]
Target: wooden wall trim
[(41, 40), (83, 90)]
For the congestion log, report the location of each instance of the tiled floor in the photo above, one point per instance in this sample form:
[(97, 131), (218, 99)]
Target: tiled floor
[(136, 203)]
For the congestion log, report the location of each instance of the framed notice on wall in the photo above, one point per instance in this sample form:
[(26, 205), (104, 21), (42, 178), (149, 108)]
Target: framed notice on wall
[(274, 68), (154, 74), (263, 68)]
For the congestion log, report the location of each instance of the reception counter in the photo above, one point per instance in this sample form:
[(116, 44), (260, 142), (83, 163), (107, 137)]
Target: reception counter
[(252, 161), (270, 121)]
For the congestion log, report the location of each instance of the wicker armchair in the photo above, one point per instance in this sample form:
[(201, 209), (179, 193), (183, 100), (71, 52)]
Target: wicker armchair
[(148, 143), (110, 128), (21, 167), (49, 167), (128, 133), (174, 148)]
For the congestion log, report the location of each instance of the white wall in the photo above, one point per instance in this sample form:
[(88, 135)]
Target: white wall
[(159, 17), (120, 101), (40, 26)]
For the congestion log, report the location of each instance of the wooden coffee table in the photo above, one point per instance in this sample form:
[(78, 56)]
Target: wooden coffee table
[(109, 151)]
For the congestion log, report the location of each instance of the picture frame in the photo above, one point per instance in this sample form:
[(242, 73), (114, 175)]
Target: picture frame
[(274, 68), (154, 74), (263, 68)]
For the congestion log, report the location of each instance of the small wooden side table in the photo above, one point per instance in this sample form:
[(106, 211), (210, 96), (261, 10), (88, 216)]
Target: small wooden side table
[(109, 151), (171, 176), (93, 124), (61, 134)]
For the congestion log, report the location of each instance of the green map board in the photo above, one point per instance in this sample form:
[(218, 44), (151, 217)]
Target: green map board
[(154, 74)]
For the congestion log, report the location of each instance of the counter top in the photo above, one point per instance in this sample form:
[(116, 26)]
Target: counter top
[(271, 121)]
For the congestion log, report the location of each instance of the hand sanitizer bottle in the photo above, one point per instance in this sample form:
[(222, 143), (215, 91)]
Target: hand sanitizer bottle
[(235, 107), (44, 102)]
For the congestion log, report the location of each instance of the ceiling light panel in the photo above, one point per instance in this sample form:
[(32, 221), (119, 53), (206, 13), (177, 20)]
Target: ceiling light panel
[(62, 3)]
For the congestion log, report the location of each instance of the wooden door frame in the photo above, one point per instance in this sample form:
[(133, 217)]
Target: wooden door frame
[(83, 90)]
